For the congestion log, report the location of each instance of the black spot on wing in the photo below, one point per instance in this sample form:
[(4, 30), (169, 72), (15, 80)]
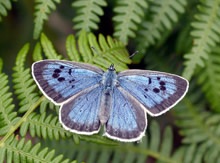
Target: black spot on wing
[(162, 83), (71, 80), (55, 75), (62, 67), (162, 88), (149, 81), (61, 79), (70, 70), (57, 71), (156, 90)]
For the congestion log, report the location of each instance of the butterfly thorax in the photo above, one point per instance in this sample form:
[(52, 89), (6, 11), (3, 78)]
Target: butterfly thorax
[(109, 81)]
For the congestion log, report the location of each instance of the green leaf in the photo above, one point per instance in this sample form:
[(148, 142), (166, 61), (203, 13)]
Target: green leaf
[(7, 117), (199, 128), (37, 54), (163, 16), (48, 48), (206, 35), (211, 87), (24, 82), (125, 152), (4, 6), (71, 48), (87, 14), (109, 50), (129, 15), (21, 151), (44, 126), (43, 9)]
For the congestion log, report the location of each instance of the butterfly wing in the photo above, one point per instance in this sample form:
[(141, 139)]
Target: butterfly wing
[(157, 91), (80, 114), (60, 80), (127, 121)]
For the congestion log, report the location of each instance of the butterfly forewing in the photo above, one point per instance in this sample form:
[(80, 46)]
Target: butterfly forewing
[(60, 80), (156, 91)]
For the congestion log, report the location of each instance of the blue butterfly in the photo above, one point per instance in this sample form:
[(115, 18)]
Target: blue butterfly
[(90, 97)]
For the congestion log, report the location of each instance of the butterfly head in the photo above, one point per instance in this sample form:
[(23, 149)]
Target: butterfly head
[(111, 68)]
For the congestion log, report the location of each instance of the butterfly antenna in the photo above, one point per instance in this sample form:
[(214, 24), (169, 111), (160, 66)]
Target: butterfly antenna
[(99, 54), (127, 58)]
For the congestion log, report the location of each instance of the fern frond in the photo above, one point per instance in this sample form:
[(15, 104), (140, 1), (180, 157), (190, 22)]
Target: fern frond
[(7, 117), (211, 87), (15, 150), (24, 87), (153, 145), (43, 9), (88, 12), (164, 14), (112, 51), (48, 48), (44, 126), (200, 130), (4, 6), (128, 15), (206, 34)]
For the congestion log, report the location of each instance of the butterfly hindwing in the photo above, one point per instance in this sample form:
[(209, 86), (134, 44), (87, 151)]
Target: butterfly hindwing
[(60, 80), (80, 114), (157, 91), (127, 121)]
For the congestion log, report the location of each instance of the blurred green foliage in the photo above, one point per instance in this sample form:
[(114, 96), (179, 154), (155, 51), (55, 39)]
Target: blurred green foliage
[(176, 36)]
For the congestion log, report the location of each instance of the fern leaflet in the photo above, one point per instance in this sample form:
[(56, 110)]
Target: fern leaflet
[(199, 128), (44, 126), (129, 15), (206, 34), (212, 86), (112, 51), (4, 6), (24, 82), (43, 8), (87, 14), (153, 145), (7, 117), (163, 16), (37, 54), (72, 49), (48, 48), (15, 150)]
